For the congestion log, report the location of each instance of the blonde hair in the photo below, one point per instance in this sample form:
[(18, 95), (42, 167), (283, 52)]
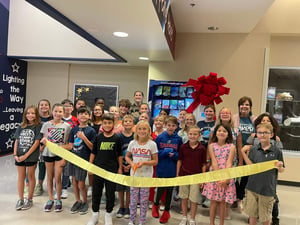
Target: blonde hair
[(265, 125), (162, 118), (139, 124), (194, 127), (219, 121), (128, 117), (184, 126)]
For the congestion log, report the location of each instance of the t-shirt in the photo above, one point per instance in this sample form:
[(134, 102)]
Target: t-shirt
[(72, 120), (192, 159), (205, 128), (79, 146), (141, 153), (106, 151), (57, 134), (26, 138), (124, 144), (246, 128), (264, 183)]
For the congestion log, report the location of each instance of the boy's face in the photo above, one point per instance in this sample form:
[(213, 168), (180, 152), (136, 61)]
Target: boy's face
[(68, 109), (193, 135), (138, 97), (263, 134), (83, 117), (170, 127), (128, 123), (107, 125), (123, 110), (79, 104)]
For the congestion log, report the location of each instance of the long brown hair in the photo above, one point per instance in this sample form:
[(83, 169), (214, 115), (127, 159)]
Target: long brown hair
[(37, 119)]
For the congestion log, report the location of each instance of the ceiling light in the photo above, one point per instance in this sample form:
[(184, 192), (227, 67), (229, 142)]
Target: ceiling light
[(143, 58), (120, 34), (213, 28)]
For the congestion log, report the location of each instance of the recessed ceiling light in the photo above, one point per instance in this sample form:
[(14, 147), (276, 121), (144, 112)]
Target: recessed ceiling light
[(143, 58), (120, 34), (213, 28)]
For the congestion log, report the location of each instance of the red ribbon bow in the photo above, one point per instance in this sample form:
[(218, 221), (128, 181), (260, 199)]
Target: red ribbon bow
[(207, 90)]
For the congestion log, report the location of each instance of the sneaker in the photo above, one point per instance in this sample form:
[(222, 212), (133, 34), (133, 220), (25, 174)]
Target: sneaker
[(64, 193), (89, 191), (130, 223), (108, 219), (94, 218), (27, 204), (75, 207), (84, 208), (19, 204), (275, 221), (206, 203), (38, 190), (165, 217), (155, 212), (58, 206), (161, 208), (120, 213), (48, 206), (183, 221), (25, 194), (126, 213), (192, 222)]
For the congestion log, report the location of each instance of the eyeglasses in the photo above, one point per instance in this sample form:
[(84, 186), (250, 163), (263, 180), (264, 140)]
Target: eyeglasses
[(263, 133), (225, 113)]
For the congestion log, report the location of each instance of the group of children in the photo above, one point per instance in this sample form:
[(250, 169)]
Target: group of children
[(120, 147)]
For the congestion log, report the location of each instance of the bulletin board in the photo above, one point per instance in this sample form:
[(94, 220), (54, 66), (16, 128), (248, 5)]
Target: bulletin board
[(89, 92)]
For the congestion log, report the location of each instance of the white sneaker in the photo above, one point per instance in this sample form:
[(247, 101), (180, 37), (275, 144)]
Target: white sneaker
[(94, 218), (130, 223), (192, 222), (89, 191), (108, 219), (64, 193), (184, 221), (162, 208)]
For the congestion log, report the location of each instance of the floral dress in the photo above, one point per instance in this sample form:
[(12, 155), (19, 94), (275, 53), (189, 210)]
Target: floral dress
[(211, 190)]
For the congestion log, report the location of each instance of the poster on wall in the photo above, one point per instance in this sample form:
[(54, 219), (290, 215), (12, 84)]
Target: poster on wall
[(89, 92)]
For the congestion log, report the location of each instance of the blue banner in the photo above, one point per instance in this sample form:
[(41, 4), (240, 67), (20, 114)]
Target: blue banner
[(13, 74)]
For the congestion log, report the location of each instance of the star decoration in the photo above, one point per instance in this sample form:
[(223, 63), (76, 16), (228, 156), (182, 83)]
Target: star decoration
[(79, 90), (87, 89), (9, 143), (15, 67)]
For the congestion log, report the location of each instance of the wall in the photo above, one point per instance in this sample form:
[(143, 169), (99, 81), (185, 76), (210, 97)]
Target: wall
[(55, 81), (237, 57)]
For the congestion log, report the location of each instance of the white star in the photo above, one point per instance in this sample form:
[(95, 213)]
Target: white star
[(15, 67), (9, 143)]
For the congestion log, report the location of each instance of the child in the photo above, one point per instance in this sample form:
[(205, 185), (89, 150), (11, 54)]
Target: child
[(126, 136), (181, 116), (26, 153), (107, 154), (261, 188), (56, 131), (144, 154), (221, 152), (73, 122), (44, 112), (168, 144), (124, 105), (80, 142), (189, 120), (138, 97), (118, 128), (191, 160), (78, 103), (97, 117)]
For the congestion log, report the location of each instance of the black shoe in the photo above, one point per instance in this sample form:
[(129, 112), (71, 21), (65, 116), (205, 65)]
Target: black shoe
[(275, 221)]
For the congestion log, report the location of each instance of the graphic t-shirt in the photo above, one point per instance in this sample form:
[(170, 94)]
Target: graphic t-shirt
[(79, 147), (246, 128), (205, 128), (57, 134), (26, 138), (141, 153)]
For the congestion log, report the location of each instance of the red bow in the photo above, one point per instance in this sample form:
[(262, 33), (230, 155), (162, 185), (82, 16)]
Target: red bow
[(207, 90)]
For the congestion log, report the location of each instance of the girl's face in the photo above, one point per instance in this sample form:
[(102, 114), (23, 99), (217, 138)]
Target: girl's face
[(44, 107), (222, 133), (128, 123), (266, 119), (225, 115), (123, 110), (58, 112), (189, 121), (209, 113), (245, 108), (181, 116), (115, 111), (97, 111), (144, 116), (158, 123), (142, 131), (138, 97), (30, 115), (79, 104)]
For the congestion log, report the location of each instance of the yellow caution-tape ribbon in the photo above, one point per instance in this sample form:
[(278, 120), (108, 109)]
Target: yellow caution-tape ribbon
[(133, 181)]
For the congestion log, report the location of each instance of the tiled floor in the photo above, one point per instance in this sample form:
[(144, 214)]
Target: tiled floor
[(289, 206)]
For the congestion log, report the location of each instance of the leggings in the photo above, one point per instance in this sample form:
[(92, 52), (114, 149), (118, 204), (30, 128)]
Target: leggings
[(160, 192), (139, 195)]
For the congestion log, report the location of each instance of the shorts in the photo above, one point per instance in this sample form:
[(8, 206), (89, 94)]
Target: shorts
[(27, 164), (189, 191), (75, 171), (256, 205), (120, 187), (51, 158)]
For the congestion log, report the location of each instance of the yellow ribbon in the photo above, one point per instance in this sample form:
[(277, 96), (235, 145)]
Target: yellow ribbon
[(133, 181)]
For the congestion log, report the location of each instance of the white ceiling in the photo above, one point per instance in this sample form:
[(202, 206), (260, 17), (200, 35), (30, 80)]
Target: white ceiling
[(101, 18)]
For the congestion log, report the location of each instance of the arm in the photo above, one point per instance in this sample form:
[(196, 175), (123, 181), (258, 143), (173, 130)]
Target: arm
[(152, 162), (179, 163), (128, 159), (245, 150), (230, 159), (279, 166), (82, 136), (212, 156), (120, 161)]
